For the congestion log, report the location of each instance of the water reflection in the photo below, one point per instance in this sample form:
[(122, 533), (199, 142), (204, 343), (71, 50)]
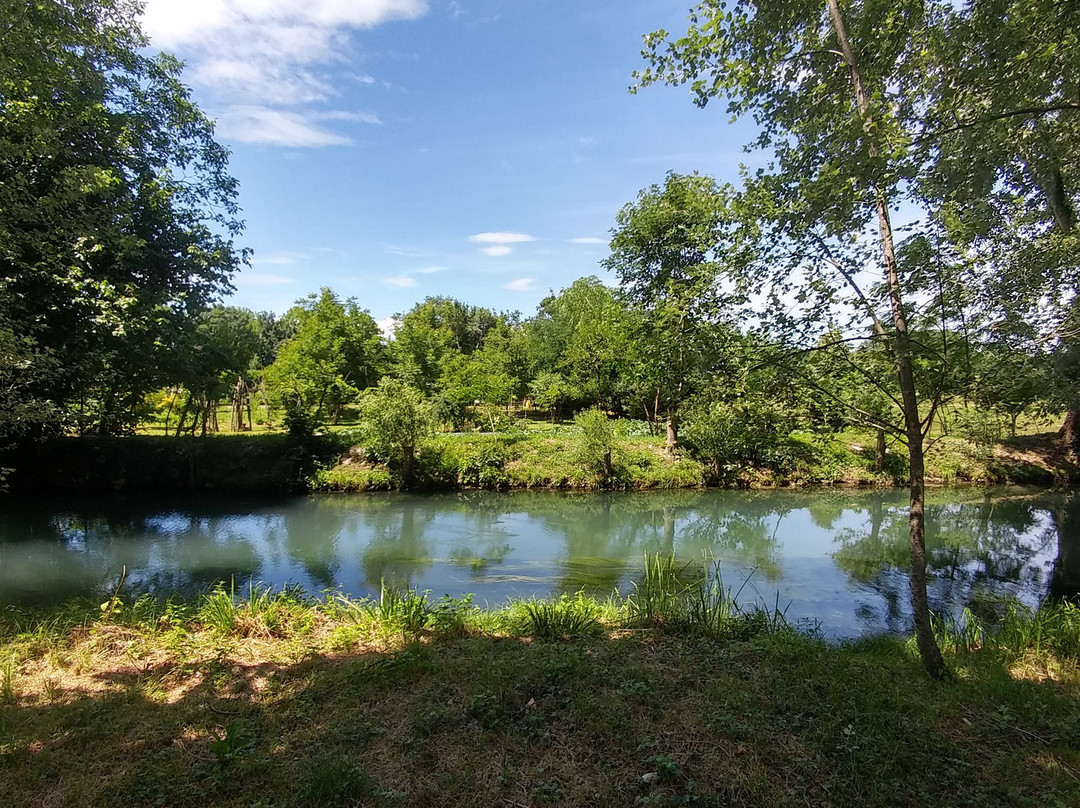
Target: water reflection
[(835, 557)]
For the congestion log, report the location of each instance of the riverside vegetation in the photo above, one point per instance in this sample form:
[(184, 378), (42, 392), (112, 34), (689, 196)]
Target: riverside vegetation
[(671, 695), (746, 328)]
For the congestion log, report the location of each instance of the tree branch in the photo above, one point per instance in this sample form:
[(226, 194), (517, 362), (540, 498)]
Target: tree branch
[(1064, 106)]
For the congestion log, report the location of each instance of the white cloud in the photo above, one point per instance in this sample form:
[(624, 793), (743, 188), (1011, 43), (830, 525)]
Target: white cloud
[(355, 117), (177, 22), (252, 124), (496, 250), (401, 281), (407, 252), (500, 238), (587, 240), (427, 270), (521, 285), (271, 55), (388, 325)]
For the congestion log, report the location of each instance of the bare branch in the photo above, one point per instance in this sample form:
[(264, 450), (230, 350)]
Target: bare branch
[(1064, 106)]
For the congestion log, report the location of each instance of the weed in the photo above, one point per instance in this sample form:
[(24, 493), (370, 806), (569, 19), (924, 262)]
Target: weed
[(334, 779), (7, 681), (218, 610), (452, 616), (398, 612), (562, 618), (237, 740)]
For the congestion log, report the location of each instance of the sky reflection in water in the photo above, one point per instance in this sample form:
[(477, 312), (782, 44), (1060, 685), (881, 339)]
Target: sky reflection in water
[(835, 557)]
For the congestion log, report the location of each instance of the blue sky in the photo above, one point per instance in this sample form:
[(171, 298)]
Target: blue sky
[(396, 149)]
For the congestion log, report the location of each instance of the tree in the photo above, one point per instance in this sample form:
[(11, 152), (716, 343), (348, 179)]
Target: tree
[(664, 250), (586, 335), (597, 440), (337, 351), (118, 211), (218, 351), (1001, 142), (432, 331), (395, 419), (970, 112), (835, 123)]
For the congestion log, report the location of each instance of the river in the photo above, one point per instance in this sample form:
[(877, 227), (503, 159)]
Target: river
[(835, 558)]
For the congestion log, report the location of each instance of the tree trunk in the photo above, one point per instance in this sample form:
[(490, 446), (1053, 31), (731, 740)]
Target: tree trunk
[(879, 451), (1070, 429), (924, 633), (607, 465), (407, 456), (672, 433)]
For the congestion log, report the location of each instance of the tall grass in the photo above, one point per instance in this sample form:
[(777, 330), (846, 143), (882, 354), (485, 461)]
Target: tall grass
[(262, 612), (692, 597), (564, 617), (1054, 628)]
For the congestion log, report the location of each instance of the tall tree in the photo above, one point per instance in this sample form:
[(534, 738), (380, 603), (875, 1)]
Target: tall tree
[(118, 211), (585, 335), (336, 352), (665, 252), (875, 103), (831, 108)]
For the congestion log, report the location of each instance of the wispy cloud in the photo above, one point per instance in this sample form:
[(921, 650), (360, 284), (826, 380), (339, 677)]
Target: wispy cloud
[(251, 124), (279, 258), (262, 279), (408, 252), (521, 285), (587, 240), (498, 243), (501, 238), (406, 280), (264, 62)]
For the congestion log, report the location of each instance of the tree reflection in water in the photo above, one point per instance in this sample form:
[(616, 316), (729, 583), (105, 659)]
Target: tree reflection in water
[(838, 555), (983, 549)]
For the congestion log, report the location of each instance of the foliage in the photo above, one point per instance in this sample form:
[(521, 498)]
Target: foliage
[(667, 250), (394, 421), (336, 352), (598, 439), (118, 210)]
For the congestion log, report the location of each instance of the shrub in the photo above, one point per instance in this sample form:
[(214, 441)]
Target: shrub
[(597, 441)]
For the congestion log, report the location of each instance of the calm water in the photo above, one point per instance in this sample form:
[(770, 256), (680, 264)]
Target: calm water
[(836, 557)]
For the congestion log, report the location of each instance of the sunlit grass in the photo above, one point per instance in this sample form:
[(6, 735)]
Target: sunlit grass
[(673, 694)]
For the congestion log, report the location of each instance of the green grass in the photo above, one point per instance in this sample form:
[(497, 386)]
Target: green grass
[(671, 696), (541, 455)]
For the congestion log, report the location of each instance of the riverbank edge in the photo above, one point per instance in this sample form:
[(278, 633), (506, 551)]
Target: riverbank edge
[(574, 702), (279, 463)]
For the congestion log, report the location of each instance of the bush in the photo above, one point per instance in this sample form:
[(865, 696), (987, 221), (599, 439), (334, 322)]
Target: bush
[(597, 441)]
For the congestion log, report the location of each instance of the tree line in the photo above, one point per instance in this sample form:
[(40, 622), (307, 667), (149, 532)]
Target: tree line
[(796, 293)]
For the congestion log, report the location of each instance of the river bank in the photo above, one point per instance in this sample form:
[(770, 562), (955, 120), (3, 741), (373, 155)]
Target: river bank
[(550, 459), (275, 701)]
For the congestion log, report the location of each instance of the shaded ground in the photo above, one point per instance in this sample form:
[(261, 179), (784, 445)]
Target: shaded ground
[(1045, 452), (119, 717)]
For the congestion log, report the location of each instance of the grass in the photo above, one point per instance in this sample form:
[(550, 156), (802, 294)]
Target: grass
[(532, 454), (541, 455), (671, 696)]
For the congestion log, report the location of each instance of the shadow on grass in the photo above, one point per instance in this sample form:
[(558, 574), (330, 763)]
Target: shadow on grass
[(625, 718)]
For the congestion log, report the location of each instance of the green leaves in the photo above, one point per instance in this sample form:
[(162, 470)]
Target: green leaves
[(118, 212)]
